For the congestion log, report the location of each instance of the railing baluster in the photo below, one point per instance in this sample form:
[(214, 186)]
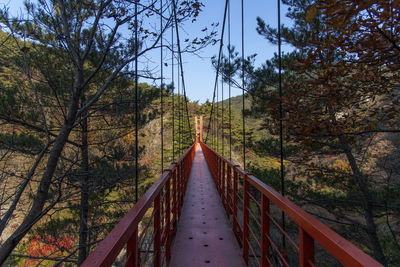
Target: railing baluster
[(157, 232), (306, 249), (264, 230), (184, 165), (179, 187), (215, 171), (217, 175), (223, 184), (235, 200), (246, 220), (168, 218), (228, 189), (132, 255), (182, 181), (174, 201)]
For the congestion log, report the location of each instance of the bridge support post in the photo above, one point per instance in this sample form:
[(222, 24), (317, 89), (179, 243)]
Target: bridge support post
[(246, 220), (196, 130), (306, 249), (264, 231), (201, 129)]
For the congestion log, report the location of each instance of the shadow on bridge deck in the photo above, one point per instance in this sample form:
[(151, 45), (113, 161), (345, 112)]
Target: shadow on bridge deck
[(204, 236)]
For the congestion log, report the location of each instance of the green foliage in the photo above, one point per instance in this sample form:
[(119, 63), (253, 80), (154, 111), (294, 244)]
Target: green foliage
[(21, 142), (8, 101), (270, 146)]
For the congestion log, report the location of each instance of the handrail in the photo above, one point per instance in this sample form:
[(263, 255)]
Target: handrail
[(310, 229), (164, 218)]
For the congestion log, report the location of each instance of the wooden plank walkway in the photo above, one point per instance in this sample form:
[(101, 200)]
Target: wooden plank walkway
[(204, 236)]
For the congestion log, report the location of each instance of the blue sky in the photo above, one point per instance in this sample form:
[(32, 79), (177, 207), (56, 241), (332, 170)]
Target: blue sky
[(199, 74)]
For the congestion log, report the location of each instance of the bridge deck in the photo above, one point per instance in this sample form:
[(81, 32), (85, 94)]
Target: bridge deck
[(204, 236)]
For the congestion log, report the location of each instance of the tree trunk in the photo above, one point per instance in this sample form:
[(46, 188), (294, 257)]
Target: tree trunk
[(367, 199), (84, 209), (42, 193)]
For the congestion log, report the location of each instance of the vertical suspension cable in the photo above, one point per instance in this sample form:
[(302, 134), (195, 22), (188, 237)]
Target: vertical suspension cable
[(243, 105), (217, 124), (229, 81), (211, 121), (281, 116), (179, 112), (188, 128), (173, 92), (214, 130), (162, 87), (136, 106), (210, 124), (222, 115)]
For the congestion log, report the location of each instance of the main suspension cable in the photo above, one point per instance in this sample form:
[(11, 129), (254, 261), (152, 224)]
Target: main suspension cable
[(218, 66), (180, 61)]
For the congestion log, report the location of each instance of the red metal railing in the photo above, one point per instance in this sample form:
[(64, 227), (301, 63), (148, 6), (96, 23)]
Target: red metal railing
[(247, 202), (147, 229)]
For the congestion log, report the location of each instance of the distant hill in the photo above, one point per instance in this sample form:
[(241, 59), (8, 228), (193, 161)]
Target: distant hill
[(252, 123)]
